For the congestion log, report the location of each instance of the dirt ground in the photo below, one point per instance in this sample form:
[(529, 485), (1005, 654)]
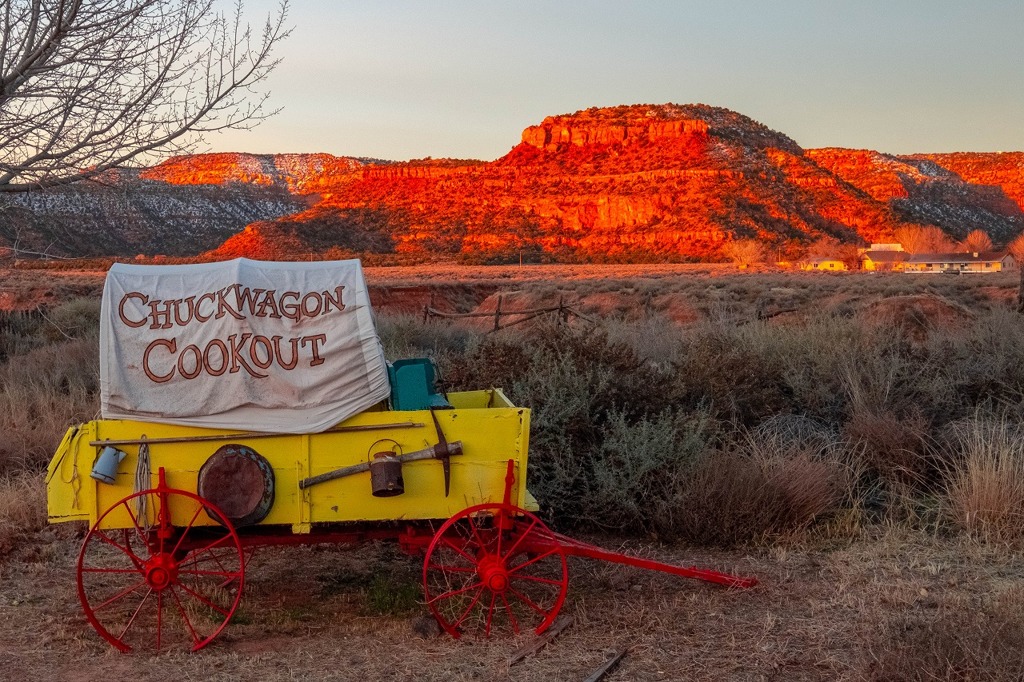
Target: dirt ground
[(821, 612)]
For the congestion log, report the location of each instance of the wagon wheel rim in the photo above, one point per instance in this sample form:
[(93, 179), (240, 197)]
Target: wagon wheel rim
[(156, 586), (494, 567)]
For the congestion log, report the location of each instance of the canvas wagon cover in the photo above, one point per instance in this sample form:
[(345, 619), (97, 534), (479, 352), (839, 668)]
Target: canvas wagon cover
[(248, 345)]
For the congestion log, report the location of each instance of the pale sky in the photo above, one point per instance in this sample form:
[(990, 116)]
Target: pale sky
[(400, 79)]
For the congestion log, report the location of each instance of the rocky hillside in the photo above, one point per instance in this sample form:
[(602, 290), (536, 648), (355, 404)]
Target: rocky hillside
[(124, 214), (957, 192), (642, 182)]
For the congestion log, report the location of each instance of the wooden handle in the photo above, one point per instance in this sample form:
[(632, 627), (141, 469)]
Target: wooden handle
[(454, 448)]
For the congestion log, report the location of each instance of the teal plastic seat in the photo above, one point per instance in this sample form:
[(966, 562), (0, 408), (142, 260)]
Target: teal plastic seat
[(413, 385)]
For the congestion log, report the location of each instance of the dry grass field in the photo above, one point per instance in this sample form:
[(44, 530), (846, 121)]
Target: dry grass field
[(852, 440)]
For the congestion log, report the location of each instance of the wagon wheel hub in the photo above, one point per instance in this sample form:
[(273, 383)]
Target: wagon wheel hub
[(161, 571), (493, 573)]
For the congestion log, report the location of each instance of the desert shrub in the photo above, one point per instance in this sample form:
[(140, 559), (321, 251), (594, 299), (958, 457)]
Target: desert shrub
[(964, 370), (407, 336), (638, 468), (973, 642), (653, 338), (762, 486), (891, 447), (77, 318), (729, 369), (19, 332), (620, 379), (548, 363), (984, 486), (497, 360), (22, 331)]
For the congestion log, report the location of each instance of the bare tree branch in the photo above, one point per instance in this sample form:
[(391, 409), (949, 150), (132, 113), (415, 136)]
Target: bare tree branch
[(88, 85)]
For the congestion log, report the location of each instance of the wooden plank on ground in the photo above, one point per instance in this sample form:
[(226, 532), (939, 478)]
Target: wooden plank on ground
[(607, 666), (561, 623)]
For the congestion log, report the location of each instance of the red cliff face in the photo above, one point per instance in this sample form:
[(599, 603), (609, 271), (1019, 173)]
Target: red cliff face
[(665, 182), (557, 132), (298, 173)]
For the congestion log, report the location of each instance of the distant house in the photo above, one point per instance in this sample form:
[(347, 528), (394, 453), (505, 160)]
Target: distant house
[(986, 261), (820, 263), (883, 259)]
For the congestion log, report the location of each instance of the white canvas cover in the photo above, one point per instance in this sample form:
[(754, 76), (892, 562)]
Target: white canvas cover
[(243, 344)]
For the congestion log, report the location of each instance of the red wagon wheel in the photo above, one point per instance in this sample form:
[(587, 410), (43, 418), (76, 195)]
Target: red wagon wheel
[(155, 586), (493, 566)]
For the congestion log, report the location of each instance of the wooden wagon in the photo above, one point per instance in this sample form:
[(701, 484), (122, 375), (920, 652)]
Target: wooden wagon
[(173, 508)]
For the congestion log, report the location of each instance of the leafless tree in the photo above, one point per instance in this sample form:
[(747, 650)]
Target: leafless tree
[(976, 241), (927, 239), (89, 85), (743, 252)]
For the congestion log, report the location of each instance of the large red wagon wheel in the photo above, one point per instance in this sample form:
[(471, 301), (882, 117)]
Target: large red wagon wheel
[(155, 586), (494, 566)]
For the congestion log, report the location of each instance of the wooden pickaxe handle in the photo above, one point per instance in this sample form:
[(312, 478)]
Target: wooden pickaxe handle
[(434, 452)]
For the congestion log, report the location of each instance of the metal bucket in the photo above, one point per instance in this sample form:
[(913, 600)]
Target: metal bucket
[(386, 475)]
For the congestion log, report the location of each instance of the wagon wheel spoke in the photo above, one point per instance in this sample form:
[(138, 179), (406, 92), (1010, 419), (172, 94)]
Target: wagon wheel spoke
[(511, 616), (526, 600), (522, 536), (451, 544), (452, 569), (135, 615), (181, 560), (538, 579), (159, 617), (465, 613), (203, 600), (490, 614), (188, 527), (184, 616), (135, 559), (120, 595), (474, 533), (136, 526), (222, 574), (455, 593), (111, 570), (534, 560)]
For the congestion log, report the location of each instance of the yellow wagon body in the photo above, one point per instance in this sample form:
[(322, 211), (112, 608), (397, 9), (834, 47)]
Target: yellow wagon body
[(491, 429)]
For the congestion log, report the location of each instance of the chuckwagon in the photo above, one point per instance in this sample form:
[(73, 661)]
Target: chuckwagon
[(250, 404)]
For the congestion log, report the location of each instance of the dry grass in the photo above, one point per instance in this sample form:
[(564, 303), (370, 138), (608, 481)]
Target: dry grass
[(963, 639), (22, 509), (42, 393), (984, 486)]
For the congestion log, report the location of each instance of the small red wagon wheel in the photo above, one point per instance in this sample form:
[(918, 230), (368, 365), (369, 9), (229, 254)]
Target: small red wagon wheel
[(153, 586), (493, 566)]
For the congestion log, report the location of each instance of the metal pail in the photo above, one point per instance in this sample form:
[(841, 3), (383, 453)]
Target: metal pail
[(386, 475)]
